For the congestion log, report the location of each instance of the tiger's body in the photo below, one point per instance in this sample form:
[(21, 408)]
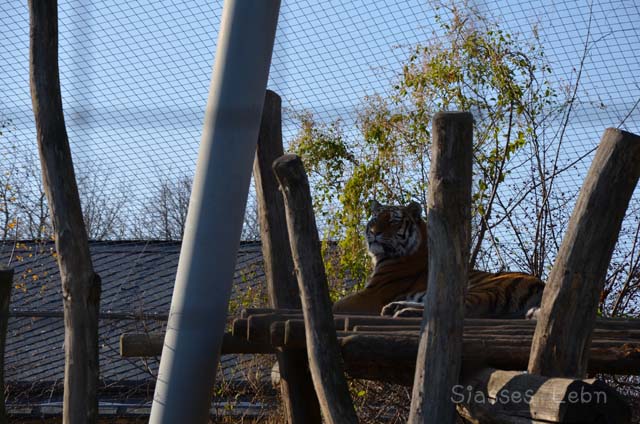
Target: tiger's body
[(397, 242)]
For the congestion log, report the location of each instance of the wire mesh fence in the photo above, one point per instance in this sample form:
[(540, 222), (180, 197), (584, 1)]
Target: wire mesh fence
[(135, 79)]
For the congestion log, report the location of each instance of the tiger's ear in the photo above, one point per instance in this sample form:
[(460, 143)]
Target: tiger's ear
[(374, 206), (415, 210)]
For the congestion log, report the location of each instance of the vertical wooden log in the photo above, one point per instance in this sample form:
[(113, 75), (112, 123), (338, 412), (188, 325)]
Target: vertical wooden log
[(278, 264), (325, 361), (298, 395), (440, 350), (80, 284), (570, 301), (6, 281)]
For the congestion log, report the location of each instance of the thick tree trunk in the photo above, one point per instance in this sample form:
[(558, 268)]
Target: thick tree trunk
[(80, 284), (325, 361), (449, 233), (298, 396), (570, 301)]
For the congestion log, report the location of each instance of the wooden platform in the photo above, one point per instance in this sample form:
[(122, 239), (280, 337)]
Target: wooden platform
[(381, 348)]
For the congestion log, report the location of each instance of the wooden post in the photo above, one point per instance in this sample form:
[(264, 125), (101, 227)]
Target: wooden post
[(440, 350), (325, 361), (80, 284), (298, 395), (278, 264), (570, 300), (6, 282)]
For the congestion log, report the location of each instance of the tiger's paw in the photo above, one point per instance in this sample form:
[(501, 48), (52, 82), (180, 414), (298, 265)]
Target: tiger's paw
[(409, 313), (533, 313), (403, 309)]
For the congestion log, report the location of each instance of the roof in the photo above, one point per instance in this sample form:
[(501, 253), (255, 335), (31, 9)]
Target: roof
[(137, 277)]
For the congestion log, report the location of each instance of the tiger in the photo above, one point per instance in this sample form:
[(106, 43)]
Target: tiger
[(396, 238)]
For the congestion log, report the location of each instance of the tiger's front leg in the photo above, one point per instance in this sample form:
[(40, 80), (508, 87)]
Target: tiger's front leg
[(407, 309), (404, 309)]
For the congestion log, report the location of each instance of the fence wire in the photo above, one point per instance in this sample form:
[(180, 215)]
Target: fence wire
[(135, 78)]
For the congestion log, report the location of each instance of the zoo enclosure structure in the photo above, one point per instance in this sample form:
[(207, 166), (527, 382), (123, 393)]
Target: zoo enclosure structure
[(493, 351), (533, 365)]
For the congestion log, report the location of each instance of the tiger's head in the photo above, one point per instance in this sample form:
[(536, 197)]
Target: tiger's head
[(395, 231)]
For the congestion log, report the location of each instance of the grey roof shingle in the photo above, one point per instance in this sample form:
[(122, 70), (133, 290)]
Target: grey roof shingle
[(137, 277)]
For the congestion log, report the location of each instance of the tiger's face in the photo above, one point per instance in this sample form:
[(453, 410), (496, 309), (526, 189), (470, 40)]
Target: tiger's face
[(394, 231)]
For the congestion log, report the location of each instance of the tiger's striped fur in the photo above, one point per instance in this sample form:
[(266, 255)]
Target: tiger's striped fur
[(397, 242)]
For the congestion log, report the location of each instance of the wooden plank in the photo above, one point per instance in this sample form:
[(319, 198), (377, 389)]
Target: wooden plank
[(301, 404), (391, 358), (627, 335), (245, 313), (80, 284), (491, 395), (239, 327), (257, 327), (291, 334), (396, 362), (322, 344), (620, 329), (449, 235), (352, 321), (572, 293)]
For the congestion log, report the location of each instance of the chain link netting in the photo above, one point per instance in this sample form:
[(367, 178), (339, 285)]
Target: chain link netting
[(135, 79)]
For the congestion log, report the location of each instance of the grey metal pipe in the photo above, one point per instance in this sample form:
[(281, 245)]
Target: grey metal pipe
[(200, 300)]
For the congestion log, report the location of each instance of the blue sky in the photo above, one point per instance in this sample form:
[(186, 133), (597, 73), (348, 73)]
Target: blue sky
[(135, 75)]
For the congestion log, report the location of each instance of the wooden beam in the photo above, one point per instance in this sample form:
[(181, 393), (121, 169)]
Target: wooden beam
[(245, 313), (385, 356), (449, 235), (80, 284), (255, 328), (629, 335), (322, 344), (570, 300), (391, 358), (491, 395), (352, 321), (299, 398)]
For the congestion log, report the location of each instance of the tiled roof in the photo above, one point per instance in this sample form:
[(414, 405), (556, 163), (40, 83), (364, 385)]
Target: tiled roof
[(137, 277)]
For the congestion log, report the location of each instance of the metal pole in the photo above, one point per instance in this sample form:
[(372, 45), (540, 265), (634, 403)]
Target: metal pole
[(198, 312)]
